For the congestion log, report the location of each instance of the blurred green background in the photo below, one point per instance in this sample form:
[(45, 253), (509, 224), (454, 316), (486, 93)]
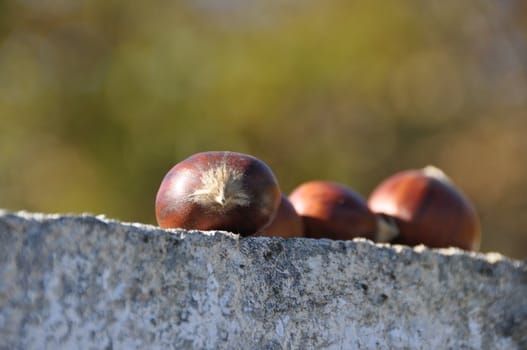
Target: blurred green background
[(98, 99)]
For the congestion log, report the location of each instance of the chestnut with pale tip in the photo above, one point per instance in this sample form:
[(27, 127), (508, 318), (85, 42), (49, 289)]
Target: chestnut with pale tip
[(218, 190), (332, 210), (428, 209), (286, 224)]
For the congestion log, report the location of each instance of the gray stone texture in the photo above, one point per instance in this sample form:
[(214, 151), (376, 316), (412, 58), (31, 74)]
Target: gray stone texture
[(85, 282)]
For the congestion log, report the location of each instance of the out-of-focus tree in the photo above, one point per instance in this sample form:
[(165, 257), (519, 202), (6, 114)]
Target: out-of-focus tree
[(99, 99)]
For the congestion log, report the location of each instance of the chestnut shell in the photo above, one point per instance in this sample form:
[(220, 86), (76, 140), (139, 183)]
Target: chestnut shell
[(332, 210), (428, 210), (287, 223), (218, 190)]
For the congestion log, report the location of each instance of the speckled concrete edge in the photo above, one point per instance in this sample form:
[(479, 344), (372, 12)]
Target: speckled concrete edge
[(490, 257)]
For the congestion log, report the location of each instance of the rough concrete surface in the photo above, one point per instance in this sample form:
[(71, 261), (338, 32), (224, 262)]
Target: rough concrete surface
[(85, 282)]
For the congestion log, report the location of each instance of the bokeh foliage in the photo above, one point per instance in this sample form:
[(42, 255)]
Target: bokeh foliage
[(98, 99)]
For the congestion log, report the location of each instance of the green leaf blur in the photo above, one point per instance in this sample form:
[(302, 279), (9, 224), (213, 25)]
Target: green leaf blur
[(98, 99)]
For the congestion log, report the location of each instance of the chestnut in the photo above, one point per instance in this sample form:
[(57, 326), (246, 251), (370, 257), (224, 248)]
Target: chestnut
[(287, 223), (427, 209), (218, 190), (332, 210)]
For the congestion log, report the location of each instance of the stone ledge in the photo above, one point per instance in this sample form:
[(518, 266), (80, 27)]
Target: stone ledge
[(80, 282)]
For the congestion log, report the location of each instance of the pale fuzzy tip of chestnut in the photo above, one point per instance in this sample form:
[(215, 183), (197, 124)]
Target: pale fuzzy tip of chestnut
[(436, 173), (221, 186), (386, 230)]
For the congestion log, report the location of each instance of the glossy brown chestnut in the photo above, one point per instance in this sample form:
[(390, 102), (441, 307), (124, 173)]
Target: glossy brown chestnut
[(428, 209), (218, 191), (331, 210), (287, 223)]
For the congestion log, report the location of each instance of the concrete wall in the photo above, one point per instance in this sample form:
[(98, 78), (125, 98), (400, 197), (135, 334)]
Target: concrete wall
[(84, 282)]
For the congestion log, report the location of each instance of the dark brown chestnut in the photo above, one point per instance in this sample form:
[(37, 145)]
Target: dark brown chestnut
[(332, 210), (287, 223), (218, 190), (428, 209)]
